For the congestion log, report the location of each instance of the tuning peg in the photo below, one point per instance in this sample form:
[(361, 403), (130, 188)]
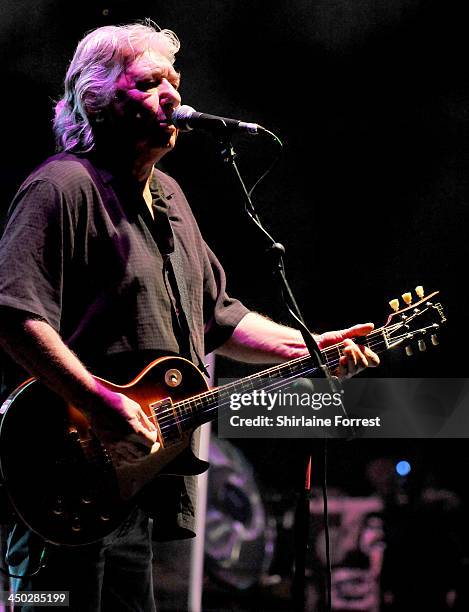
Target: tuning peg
[(409, 351), (419, 291), (434, 339), (394, 304), (407, 297), (422, 346)]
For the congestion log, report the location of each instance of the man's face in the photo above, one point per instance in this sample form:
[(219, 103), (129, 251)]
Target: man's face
[(146, 94)]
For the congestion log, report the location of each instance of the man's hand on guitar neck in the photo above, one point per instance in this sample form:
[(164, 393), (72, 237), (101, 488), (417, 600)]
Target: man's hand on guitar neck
[(355, 357), (257, 339)]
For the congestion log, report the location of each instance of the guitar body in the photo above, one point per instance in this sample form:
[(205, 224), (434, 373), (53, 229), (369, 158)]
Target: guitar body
[(61, 479)]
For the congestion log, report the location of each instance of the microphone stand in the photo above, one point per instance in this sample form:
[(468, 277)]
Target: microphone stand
[(277, 251)]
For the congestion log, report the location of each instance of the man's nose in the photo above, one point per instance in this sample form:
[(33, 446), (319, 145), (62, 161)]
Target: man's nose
[(169, 96)]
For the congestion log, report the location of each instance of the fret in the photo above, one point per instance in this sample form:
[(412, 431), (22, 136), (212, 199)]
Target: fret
[(332, 355)]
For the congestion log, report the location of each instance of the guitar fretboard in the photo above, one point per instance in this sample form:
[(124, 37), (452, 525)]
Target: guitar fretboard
[(204, 407)]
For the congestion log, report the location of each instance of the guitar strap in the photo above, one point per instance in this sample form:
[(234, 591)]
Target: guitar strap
[(180, 289), (175, 261)]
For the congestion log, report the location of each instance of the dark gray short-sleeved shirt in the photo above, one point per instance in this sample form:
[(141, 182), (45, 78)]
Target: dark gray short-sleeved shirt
[(91, 266), (81, 251)]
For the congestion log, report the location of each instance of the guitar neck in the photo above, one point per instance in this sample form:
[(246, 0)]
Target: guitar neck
[(204, 407)]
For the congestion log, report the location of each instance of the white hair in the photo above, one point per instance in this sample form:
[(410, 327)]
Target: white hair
[(100, 58)]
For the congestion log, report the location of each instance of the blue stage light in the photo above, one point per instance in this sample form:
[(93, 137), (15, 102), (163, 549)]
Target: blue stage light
[(403, 468)]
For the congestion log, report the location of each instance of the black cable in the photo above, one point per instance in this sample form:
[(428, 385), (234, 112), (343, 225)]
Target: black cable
[(326, 533), (273, 164), (41, 564)]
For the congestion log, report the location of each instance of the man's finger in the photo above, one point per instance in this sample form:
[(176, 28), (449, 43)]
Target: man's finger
[(343, 370), (350, 351), (334, 337), (361, 329), (146, 421), (372, 357)]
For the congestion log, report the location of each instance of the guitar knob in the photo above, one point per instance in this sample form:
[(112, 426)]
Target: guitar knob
[(422, 346), (173, 377), (419, 291), (76, 523), (409, 351), (58, 507), (104, 516), (394, 304), (407, 297), (434, 339)]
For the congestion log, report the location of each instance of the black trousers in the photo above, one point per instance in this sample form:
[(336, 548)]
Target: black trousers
[(112, 575)]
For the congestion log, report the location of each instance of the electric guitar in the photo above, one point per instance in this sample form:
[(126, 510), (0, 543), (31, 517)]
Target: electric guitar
[(60, 477)]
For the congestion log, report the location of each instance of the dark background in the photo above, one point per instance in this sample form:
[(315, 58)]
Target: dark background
[(370, 197)]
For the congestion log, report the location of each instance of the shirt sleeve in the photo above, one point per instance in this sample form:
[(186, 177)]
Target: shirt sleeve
[(221, 312), (32, 249)]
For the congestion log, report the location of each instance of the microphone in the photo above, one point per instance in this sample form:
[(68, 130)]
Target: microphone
[(187, 118)]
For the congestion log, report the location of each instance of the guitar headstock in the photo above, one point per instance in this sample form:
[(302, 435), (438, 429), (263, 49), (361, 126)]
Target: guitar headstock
[(416, 321)]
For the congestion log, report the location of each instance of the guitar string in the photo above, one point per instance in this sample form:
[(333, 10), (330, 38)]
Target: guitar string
[(221, 400), (221, 404), (225, 399), (168, 413), (168, 421)]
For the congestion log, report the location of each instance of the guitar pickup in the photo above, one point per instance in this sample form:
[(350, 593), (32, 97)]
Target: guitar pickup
[(166, 418)]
